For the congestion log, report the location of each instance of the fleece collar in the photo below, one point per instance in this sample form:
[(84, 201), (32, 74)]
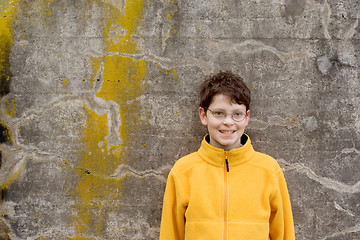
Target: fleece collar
[(216, 156)]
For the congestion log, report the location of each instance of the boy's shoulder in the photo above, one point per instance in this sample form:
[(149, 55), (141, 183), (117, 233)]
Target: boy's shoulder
[(187, 162), (265, 161)]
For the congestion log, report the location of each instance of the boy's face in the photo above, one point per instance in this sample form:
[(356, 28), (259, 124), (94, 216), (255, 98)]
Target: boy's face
[(224, 133)]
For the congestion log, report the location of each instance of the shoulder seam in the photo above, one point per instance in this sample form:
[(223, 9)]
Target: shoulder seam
[(260, 166), (196, 158), (187, 169), (180, 185)]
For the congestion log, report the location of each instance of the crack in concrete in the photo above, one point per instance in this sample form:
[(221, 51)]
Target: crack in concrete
[(126, 170), (165, 62), (350, 150), (123, 171), (16, 156), (251, 46), (112, 109), (351, 32), (15, 160), (99, 79), (89, 99), (99, 105), (18, 153), (326, 182), (325, 14), (348, 212), (248, 46)]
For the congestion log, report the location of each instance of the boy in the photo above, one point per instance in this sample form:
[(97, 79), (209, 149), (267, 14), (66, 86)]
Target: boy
[(226, 190)]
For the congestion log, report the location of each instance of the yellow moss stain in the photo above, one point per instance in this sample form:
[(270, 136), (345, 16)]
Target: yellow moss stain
[(8, 9), (79, 238), (174, 74), (124, 41), (65, 83), (121, 83), (121, 78), (6, 38), (11, 108), (95, 189), (46, 9), (94, 160)]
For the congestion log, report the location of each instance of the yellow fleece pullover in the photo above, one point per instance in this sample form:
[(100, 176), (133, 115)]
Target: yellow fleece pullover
[(214, 194)]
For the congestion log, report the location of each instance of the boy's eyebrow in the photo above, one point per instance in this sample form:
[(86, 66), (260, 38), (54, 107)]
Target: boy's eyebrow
[(221, 109), (217, 109)]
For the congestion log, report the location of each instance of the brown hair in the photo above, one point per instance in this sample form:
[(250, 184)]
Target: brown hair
[(227, 83)]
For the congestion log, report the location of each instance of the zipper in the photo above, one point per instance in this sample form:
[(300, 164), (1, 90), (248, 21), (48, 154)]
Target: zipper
[(226, 170)]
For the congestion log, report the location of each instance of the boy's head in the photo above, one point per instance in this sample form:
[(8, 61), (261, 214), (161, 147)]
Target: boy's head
[(228, 84), (224, 109)]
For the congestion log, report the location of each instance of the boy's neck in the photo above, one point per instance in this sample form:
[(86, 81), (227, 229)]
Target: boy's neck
[(242, 140)]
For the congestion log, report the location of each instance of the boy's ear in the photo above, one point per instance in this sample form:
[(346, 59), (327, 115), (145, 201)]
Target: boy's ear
[(247, 117), (202, 115)]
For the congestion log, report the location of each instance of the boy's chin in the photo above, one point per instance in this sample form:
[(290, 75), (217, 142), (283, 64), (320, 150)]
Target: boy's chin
[(227, 145)]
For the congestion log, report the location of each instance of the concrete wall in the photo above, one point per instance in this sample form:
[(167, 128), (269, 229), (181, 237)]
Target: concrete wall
[(99, 99)]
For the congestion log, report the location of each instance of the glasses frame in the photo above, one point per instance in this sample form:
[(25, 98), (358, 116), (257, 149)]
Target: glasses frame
[(232, 116)]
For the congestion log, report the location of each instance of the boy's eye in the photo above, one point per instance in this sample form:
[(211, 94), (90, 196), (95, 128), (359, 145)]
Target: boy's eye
[(238, 114), (219, 114)]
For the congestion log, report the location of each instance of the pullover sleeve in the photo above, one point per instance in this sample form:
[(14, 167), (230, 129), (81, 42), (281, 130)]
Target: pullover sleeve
[(173, 212), (281, 219)]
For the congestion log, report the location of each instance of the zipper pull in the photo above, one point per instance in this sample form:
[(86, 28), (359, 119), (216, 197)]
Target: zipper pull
[(226, 161)]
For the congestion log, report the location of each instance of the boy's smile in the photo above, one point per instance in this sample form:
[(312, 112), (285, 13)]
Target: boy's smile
[(224, 131)]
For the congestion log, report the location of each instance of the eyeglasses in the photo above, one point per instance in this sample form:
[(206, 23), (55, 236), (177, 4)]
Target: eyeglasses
[(237, 117)]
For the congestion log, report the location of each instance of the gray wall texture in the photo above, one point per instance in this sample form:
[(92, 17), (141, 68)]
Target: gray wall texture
[(99, 98)]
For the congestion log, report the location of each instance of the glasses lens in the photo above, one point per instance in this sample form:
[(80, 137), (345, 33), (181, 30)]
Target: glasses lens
[(222, 115), (238, 117)]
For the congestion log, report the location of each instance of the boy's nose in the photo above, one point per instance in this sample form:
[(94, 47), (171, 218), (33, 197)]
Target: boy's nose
[(228, 119)]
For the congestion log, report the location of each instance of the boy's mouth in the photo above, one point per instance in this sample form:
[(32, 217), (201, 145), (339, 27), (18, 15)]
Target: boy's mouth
[(227, 131)]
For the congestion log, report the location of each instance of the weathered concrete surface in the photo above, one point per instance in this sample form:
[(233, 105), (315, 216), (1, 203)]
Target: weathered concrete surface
[(99, 99)]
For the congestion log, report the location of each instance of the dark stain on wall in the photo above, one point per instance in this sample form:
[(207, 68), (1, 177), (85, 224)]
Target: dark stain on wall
[(5, 136), (4, 231), (294, 8), (5, 74)]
